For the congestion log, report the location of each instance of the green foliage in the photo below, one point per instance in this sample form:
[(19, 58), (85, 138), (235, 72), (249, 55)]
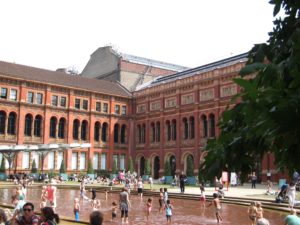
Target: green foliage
[(101, 173), (52, 174), (62, 168), (2, 167), (115, 167), (190, 166), (147, 167), (130, 165), (90, 167), (167, 168), (33, 167), (267, 112)]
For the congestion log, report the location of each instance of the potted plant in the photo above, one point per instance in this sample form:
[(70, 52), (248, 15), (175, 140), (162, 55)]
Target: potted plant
[(3, 175), (130, 165), (167, 172), (147, 171), (191, 179), (62, 171), (90, 171), (114, 172), (34, 170)]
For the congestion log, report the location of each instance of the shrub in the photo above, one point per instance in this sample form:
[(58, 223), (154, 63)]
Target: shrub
[(147, 167), (115, 167), (2, 167), (167, 168), (130, 165), (90, 167), (33, 167), (62, 168), (190, 166)]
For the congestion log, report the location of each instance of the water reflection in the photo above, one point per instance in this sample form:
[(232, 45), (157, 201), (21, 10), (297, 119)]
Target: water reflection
[(185, 211)]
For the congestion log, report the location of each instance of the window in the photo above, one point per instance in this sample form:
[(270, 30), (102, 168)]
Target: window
[(97, 131), (30, 97), (84, 129), (123, 134), (25, 160), (61, 128), (77, 103), (82, 160), (74, 161), (104, 132), (2, 122), (39, 98), (13, 94), (123, 110), (116, 133), (53, 122), (122, 162), (50, 160), (37, 131), (103, 161), (54, 100), (76, 129), (117, 109), (28, 124), (85, 104), (105, 107), (4, 93), (60, 157), (98, 106), (11, 128), (63, 101), (95, 161)]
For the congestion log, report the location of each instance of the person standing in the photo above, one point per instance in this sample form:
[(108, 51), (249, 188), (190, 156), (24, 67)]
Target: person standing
[(292, 219), (182, 182), (217, 204), (124, 205), (151, 182), (140, 187), (253, 180), (161, 199), (291, 193), (48, 217)]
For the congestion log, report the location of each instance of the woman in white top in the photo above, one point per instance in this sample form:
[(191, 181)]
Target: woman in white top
[(291, 193), (140, 187)]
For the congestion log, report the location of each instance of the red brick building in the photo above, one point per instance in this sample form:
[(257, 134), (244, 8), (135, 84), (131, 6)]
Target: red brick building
[(169, 117)]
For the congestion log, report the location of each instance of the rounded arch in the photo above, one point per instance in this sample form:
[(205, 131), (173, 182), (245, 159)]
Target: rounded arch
[(104, 132), (38, 121), (140, 161), (155, 165), (84, 130), (97, 127), (184, 160), (3, 116), (123, 134), (61, 127), (12, 121), (28, 124), (171, 157), (76, 125)]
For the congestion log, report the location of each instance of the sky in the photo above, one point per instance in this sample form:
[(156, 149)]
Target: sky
[(53, 34)]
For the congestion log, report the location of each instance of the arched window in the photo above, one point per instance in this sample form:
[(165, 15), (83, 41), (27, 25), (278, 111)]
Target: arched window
[(76, 129), (84, 128), (11, 127), (174, 133), (139, 133), (123, 134), (212, 126), (104, 132), (192, 127), (2, 122), (53, 122), (158, 131), (204, 126), (143, 133), (37, 130), (152, 132), (168, 126), (116, 133), (185, 129), (28, 125), (61, 128), (97, 131)]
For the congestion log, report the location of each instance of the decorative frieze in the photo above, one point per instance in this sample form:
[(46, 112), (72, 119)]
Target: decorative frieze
[(155, 106), (170, 102), (205, 95), (228, 90), (187, 99), (141, 108)]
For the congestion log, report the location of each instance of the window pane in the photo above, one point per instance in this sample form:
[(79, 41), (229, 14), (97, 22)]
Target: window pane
[(51, 160), (30, 97), (36, 157), (25, 161), (123, 110), (63, 101), (77, 103), (3, 93), (54, 100), (74, 161), (82, 161), (85, 104), (39, 98), (105, 107), (122, 162), (60, 157), (13, 94), (103, 161), (95, 161), (98, 106), (117, 109)]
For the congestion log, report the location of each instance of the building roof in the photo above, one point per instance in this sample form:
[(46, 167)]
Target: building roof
[(152, 62), (201, 69), (62, 79)]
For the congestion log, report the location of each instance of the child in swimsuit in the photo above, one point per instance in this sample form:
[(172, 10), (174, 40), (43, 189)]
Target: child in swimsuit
[(149, 207), (113, 211), (252, 212), (169, 213), (217, 204), (76, 209)]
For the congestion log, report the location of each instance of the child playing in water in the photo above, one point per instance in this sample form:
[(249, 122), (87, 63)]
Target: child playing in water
[(168, 207), (217, 205), (149, 207), (252, 212), (106, 193), (259, 211), (44, 197), (202, 199), (96, 204), (76, 209), (113, 211)]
